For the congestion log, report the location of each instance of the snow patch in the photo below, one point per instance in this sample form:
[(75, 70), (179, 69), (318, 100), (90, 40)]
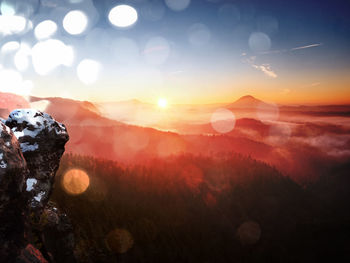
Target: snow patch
[(3, 165), (18, 134), (30, 184), (30, 133), (26, 147), (39, 196)]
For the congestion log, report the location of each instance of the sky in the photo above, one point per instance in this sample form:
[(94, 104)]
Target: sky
[(203, 51)]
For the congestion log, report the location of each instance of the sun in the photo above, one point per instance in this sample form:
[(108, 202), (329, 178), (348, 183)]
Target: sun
[(162, 103)]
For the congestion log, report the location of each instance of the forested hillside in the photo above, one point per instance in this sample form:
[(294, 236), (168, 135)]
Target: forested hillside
[(225, 208)]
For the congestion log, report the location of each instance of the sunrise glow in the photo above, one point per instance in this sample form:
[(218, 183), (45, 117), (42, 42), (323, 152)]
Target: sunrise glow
[(162, 103), (174, 131)]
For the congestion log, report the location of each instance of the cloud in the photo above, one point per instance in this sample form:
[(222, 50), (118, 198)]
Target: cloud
[(265, 68)]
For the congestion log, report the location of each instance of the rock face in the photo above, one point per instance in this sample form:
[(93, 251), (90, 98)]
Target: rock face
[(13, 171), (42, 142), (31, 146), (57, 234)]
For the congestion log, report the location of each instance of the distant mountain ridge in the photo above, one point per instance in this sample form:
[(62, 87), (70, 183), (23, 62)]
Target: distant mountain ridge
[(92, 133), (74, 112), (247, 102)]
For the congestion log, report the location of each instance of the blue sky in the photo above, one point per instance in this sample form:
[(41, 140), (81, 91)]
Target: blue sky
[(209, 51)]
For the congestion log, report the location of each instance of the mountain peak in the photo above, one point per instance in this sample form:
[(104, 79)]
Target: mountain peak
[(247, 98), (247, 101)]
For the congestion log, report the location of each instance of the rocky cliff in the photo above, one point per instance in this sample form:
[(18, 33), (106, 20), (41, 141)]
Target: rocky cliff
[(31, 146)]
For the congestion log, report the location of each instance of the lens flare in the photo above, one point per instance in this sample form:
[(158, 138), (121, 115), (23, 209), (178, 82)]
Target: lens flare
[(157, 50), (223, 120), (259, 42), (49, 54), (12, 24), (21, 58), (199, 34), (45, 29), (10, 78), (249, 233), (9, 47), (123, 16), (75, 22), (119, 241), (12, 82), (177, 5), (21, 61), (75, 181), (88, 71)]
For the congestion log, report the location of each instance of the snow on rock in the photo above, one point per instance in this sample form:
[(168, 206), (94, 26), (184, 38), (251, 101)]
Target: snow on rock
[(3, 163), (26, 147), (31, 182), (39, 196), (31, 146), (31, 125), (42, 141)]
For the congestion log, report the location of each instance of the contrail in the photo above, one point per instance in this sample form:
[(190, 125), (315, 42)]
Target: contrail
[(308, 46), (279, 51)]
